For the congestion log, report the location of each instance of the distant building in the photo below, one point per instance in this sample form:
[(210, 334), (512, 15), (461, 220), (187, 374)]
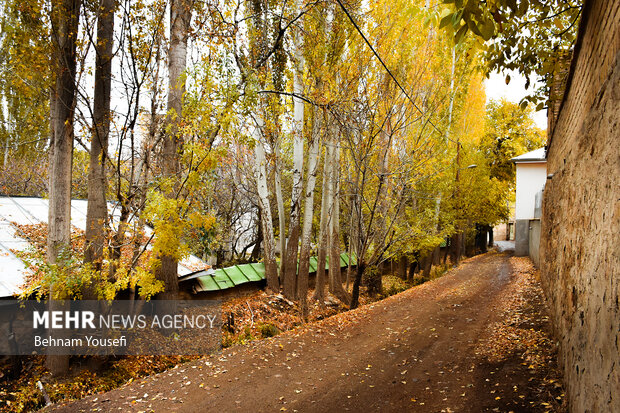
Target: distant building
[(531, 178)]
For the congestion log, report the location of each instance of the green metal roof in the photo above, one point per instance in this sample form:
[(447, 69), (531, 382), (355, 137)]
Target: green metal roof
[(230, 277), (314, 264), (344, 260)]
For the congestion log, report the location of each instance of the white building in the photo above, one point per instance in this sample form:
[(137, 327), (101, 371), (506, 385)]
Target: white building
[(531, 178)]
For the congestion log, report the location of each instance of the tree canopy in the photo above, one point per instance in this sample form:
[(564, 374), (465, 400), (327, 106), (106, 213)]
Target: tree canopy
[(532, 37)]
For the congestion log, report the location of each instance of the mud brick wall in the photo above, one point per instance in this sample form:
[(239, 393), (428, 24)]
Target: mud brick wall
[(580, 234)]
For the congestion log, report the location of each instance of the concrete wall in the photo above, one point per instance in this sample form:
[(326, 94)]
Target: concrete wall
[(534, 241), (580, 242), (501, 232), (531, 178), (522, 237)]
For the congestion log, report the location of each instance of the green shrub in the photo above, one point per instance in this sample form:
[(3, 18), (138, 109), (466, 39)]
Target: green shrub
[(229, 339), (268, 330), (393, 285), (439, 270), (417, 280)]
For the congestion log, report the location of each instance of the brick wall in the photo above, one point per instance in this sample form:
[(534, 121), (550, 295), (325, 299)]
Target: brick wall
[(580, 234)]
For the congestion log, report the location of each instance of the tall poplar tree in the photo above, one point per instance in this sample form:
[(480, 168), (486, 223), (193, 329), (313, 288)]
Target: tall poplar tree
[(290, 277), (97, 211), (65, 21), (180, 19)]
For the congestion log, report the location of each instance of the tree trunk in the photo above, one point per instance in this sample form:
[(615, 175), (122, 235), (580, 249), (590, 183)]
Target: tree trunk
[(118, 240), (355, 293), (319, 293), (97, 211), (281, 218), (144, 167), (412, 270), (355, 225), (180, 17), (65, 22), (436, 255), (350, 248), (457, 239), (304, 256), (271, 267), (452, 94), (335, 276), (456, 243), (259, 37), (298, 165), (254, 256), (460, 240), (427, 264), (6, 152), (403, 264)]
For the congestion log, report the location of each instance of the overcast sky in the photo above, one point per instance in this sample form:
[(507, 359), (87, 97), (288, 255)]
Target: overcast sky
[(497, 88)]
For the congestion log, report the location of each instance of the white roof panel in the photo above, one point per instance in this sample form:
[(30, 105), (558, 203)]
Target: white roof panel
[(12, 269), (537, 155), (78, 213), (29, 211)]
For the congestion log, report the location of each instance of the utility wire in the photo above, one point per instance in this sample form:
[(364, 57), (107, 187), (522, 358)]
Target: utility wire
[(383, 63)]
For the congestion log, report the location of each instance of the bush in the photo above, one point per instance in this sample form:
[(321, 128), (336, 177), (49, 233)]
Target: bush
[(230, 339), (268, 330), (393, 285), (417, 280), (439, 270)]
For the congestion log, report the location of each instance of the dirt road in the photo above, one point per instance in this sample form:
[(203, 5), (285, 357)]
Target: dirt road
[(416, 351)]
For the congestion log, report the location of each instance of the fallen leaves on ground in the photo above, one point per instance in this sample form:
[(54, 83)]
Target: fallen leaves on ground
[(523, 333), (262, 315)]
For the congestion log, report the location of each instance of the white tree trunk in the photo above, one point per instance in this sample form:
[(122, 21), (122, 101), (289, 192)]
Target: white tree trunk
[(304, 256), (280, 204), (6, 151), (335, 278), (324, 225), (290, 277), (452, 94), (271, 269)]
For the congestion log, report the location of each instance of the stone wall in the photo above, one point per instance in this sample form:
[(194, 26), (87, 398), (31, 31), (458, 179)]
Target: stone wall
[(580, 234)]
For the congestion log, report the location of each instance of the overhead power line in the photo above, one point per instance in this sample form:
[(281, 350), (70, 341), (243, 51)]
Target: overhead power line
[(383, 63)]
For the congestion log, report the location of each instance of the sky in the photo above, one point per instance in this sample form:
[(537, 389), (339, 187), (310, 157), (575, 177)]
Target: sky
[(497, 88)]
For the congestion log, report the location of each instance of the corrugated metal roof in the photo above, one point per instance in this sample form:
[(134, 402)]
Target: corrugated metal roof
[(13, 269), (29, 211), (25, 212), (229, 277)]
